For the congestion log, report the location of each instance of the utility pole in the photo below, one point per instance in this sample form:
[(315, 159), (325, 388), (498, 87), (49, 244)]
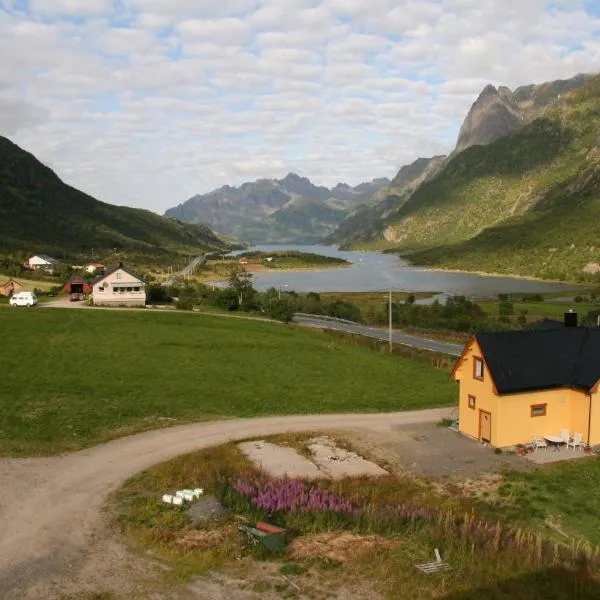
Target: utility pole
[(390, 314)]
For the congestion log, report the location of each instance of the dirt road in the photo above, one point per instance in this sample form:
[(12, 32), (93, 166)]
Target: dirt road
[(50, 508)]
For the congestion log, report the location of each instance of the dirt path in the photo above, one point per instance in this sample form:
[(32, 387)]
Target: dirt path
[(50, 508)]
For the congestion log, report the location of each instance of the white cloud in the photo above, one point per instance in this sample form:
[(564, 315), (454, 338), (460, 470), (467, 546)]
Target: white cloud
[(147, 102)]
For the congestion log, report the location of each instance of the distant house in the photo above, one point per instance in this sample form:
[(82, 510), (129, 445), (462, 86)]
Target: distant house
[(8, 287), (42, 262), (119, 287), (244, 260), (515, 385), (77, 285), (93, 267)]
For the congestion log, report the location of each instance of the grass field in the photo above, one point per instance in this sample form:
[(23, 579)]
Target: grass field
[(560, 499), (74, 378), (540, 310), (31, 284), (372, 300)]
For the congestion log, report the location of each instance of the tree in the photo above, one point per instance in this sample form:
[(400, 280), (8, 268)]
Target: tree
[(241, 282)]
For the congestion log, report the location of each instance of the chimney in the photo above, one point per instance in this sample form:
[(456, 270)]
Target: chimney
[(570, 319), (120, 265)]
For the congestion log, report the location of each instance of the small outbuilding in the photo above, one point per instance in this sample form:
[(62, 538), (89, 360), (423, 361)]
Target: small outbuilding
[(8, 287), (93, 267)]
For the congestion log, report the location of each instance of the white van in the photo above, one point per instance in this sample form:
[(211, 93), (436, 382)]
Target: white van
[(23, 299)]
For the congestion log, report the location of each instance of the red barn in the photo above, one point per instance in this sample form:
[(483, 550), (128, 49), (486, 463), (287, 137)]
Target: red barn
[(77, 285), (244, 260)]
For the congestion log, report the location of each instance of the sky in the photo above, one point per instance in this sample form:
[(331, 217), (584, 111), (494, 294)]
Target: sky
[(147, 102)]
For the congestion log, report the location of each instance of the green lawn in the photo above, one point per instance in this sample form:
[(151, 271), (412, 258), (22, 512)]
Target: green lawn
[(71, 378), (561, 498)]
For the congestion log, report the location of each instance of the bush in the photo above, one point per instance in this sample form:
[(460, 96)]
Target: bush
[(281, 309), (184, 303), (157, 294)]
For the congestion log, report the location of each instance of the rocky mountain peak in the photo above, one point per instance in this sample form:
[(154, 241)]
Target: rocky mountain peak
[(500, 111)]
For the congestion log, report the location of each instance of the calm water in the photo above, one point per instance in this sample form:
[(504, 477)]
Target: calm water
[(371, 271)]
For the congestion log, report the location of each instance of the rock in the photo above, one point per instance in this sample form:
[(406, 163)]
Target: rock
[(206, 509), (591, 268)]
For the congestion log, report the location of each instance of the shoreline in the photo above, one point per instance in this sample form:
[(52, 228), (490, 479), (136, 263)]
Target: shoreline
[(223, 277), (498, 275)]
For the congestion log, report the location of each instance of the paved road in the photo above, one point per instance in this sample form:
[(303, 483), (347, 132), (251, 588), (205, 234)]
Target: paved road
[(381, 334), (50, 508)]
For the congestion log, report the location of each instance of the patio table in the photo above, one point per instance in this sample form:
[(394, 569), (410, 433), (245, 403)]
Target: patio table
[(555, 441)]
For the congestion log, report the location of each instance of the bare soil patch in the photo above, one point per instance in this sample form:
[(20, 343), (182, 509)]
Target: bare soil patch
[(337, 547)]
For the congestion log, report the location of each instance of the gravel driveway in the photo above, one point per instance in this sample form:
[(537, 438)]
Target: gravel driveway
[(50, 508)]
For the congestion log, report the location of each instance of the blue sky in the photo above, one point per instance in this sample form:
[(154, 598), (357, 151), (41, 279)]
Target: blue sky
[(148, 102)]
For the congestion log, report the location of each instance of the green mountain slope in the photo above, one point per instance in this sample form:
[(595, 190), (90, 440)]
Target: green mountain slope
[(40, 213), (529, 203), (496, 113)]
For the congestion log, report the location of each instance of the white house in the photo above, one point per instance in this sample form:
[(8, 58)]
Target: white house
[(42, 262), (93, 267), (119, 287)]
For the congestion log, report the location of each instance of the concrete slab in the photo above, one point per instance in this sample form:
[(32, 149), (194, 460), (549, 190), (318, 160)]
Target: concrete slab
[(338, 463), (280, 461), (550, 455)]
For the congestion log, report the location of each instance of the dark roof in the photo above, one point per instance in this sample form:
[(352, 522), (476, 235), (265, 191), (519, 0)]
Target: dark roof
[(111, 271), (46, 258), (522, 361), (547, 324)]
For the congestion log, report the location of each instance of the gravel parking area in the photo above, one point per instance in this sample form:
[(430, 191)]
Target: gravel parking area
[(437, 453)]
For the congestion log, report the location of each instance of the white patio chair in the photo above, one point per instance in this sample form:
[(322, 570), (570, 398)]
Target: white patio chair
[(539, 442), (577, 442), (565, 434)]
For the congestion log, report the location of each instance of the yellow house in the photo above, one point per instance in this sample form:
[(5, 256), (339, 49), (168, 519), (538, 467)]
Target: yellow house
[(519, 384)]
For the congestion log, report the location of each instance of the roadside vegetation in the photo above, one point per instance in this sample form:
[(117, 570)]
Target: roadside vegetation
[(384, 528), (73, 378)]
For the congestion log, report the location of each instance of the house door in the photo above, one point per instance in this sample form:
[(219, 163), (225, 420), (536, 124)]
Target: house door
[(485, 426)]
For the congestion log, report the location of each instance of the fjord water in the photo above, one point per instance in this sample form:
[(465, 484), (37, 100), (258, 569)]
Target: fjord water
[(376, 271)]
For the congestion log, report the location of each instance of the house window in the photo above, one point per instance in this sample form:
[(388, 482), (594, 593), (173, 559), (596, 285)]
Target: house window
[(471, 401), (119, 275), (538, 410), (478, 368)]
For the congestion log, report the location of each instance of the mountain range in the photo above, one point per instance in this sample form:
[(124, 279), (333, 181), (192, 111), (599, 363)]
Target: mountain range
[(526, 203), (40, 213), (288, 210)]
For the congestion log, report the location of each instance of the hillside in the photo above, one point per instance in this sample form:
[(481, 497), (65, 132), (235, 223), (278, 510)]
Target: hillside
[(528, 203), (40, 213), (366, 221), (291, 209), (496, 113)]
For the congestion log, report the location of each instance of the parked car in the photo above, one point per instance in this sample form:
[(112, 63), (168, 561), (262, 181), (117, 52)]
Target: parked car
[(76, 297), (23, 299)]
